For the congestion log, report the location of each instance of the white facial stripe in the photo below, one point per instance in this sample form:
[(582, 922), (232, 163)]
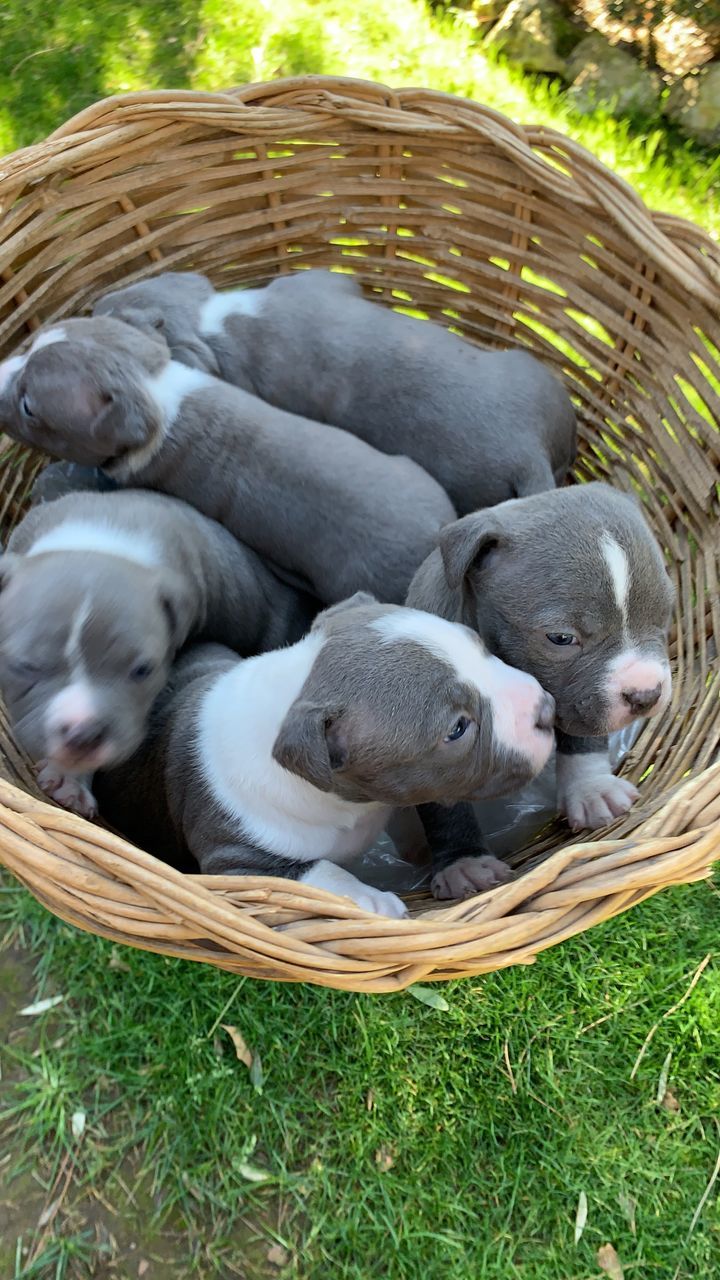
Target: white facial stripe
[(619, 569), (176, 381), (244, 302), (83, 535), (15, 363), (47, 337), (73, 650), (447, 640)]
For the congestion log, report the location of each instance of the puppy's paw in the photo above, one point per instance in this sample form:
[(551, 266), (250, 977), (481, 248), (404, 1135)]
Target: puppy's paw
[(67, 790), (468, 876), (379, 902), (595, 801)]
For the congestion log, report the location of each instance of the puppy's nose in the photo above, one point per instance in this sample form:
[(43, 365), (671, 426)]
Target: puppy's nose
[(642, 701), (85, 736), (545, 718)]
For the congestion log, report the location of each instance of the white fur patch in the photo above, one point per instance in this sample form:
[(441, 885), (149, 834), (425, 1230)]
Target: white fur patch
[(171, 386), (84, 535), (632, 670), (514, 695), (73, 649), (74, 705), (14, 364), (238, 724), (214, 312), (327, 875), (619, 569), (588, 793)]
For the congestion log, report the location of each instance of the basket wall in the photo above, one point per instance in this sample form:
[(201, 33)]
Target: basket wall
[(512, 236)]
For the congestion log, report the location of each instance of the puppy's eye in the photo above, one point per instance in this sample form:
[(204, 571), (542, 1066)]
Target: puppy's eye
[(141, 671), (562, 638), (25, 409), (28, 670), (459, 728)]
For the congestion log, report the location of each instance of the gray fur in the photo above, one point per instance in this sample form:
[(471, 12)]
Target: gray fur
[(367, 726), (533, 567), (205, 584), (489, 425), (312, 499)]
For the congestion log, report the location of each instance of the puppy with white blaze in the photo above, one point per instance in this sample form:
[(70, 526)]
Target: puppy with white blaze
[(572, 587), (318, 503), (489, 425), (99, 591), (290, 763)]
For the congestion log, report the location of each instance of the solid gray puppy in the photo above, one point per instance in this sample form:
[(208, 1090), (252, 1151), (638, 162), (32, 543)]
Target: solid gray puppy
[(291, 762), (313, 499), (99, 591), (489, 425)]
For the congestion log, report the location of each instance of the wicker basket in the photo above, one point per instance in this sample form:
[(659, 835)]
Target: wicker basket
[(509, 234)]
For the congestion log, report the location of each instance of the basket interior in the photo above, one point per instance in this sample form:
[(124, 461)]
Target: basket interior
[(509, 236)]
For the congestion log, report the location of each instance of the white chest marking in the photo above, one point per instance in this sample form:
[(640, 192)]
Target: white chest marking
[(238, 302), (238, 723), (619, 570), (84, 535), (176, 381)]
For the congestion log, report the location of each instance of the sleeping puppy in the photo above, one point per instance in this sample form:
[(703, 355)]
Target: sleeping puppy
[(489, 425), (99, 591), (290, 763), (572, 587), (312, 499)]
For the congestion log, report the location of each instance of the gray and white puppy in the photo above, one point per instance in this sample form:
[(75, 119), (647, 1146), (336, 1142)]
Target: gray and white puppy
[(292, 762), (99, 592), (313, 499), (572, 587), (489, 425)]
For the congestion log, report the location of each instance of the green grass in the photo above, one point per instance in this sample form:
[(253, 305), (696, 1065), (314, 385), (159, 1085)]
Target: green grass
[(391, 1139), (394, 1139), (57, 57)]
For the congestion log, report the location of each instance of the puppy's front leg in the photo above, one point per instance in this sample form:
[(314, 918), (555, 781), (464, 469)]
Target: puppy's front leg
[(247, 860), (71, 790), (588, 793), (461, 866)]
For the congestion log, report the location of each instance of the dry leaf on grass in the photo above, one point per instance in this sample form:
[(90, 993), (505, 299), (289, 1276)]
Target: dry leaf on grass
[(251, 1172), (143, 1267), (49, 1212), (663, 1079), (384, 1158), (581, 1216), (278, 1256), (426, 995), (670, 1102), (116, 962), (41, 1006), (609, 1262), (370, 1100), (246, 1055), (77, 1124)]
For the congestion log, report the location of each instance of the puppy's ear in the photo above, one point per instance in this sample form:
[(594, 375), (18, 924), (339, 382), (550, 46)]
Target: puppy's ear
[(128, 420), (311, 743), (149, 320), (465, 543), (8, 564), (196, 353), (178, 605), (352, 602)]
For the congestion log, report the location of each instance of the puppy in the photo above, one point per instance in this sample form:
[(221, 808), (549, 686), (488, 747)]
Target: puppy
[(572, 587), (289, 763), (489, 425), (312, 499), (99, 591)]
